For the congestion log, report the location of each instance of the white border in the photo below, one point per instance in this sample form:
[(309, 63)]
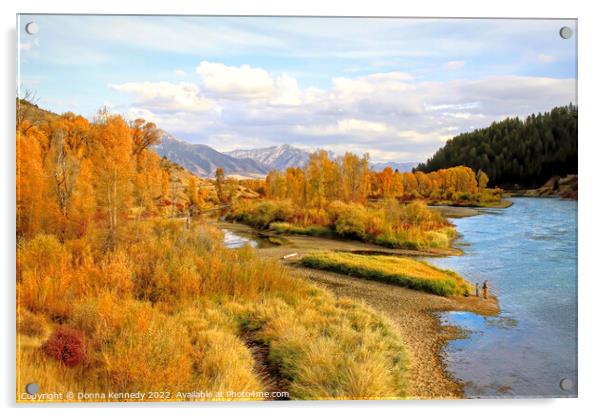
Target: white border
[(590, 232)]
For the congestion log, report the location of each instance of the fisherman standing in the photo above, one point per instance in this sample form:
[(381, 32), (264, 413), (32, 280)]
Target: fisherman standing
[(476, 289), (485, 289)]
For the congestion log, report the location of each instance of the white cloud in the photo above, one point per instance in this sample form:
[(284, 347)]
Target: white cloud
[(181, 122), (344, 127), (462, 106), (235, 82), (453, 65), (361, 126), (166, 96), (287, 92), (390, 115), (392, 81), (180, 72)]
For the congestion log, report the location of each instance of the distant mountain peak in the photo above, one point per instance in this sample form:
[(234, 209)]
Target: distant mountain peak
[(278, 157), (203, 160), (399, 166)]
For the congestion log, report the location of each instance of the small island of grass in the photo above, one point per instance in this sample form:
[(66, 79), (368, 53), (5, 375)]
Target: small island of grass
[(399, 271)]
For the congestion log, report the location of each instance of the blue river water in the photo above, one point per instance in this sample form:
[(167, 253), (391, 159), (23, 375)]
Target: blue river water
[(528, 254)]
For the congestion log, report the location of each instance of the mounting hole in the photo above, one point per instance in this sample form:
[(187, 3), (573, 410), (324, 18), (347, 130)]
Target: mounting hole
[(566, 384), (32, 28), (566, 32), (32, 388)]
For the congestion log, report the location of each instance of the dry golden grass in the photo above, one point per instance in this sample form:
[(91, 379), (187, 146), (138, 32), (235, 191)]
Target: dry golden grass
[(173, 310), (401, 271)]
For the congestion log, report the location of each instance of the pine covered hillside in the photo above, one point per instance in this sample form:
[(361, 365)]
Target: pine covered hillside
[(525, 152), (275, 157)]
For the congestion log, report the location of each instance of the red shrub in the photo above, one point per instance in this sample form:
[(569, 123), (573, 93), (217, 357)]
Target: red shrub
[(66, 345)]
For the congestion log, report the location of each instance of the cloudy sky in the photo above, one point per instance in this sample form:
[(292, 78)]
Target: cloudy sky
[(396, 88)]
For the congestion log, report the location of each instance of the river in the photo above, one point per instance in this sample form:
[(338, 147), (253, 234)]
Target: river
[(528, 254)]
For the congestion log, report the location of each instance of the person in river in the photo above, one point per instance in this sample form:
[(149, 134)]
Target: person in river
[(476, 289), (485, 289)]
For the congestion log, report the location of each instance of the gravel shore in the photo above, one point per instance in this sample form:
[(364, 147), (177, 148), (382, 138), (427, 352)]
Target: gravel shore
[(414, 315), (412, 312)]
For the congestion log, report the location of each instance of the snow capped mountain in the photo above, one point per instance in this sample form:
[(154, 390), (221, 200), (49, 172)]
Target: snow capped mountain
[(274, 157), (203, 160), (400, 166)]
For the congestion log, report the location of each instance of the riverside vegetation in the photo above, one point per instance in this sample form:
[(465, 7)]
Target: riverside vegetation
[(399, 271), (115, 293), (342, 197)]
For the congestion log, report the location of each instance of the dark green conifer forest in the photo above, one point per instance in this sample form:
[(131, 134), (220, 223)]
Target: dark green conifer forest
[(516, 152)]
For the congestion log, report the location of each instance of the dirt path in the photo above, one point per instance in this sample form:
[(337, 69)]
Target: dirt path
[(270, 376), (413, 313)]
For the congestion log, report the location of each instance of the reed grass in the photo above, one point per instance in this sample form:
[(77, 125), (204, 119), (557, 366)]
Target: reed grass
[(405, 272)]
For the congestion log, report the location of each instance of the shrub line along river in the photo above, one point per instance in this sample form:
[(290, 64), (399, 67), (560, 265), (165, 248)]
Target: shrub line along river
[(528, 255)]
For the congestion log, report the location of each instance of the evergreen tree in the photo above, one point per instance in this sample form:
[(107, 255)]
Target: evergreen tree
[(514, 152)]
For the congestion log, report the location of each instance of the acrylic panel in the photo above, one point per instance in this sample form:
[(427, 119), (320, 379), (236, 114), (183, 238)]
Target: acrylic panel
[(220, 208)]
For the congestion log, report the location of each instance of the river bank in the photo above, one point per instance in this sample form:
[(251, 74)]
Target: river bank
[(557, 187), (414, 314)]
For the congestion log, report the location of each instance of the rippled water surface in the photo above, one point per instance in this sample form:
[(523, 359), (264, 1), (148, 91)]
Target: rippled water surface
[(232, 240), (528, 253)]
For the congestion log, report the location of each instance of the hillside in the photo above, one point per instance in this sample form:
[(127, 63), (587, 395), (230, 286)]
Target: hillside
[(274, 157), (513, 152), (203, 160)]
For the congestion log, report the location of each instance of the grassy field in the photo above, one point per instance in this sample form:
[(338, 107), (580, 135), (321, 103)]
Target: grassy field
[(173, 310), (404, 272)]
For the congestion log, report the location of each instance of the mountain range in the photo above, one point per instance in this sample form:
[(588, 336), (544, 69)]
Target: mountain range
[(203, 160), (400, 166), (274, 157)]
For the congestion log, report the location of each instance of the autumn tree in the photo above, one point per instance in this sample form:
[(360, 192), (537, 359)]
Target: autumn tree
[(316, 189), (482, 179), (31, 183), (219, 183), (144, 135), (114, 170)]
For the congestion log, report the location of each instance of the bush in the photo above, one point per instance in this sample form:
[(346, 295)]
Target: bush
[(31, 324), (351, 222), (437, 239), (66, 345), (261, 214), (47, 281), (150, 350), (287, 228)]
